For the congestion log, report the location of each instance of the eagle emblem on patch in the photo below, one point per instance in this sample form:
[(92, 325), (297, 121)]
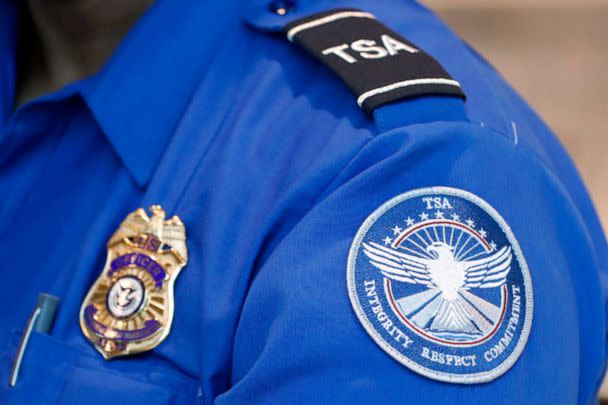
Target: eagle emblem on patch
[(129, 309), (439, 281)]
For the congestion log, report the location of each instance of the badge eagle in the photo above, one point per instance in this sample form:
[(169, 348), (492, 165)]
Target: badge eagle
[(129, 309)]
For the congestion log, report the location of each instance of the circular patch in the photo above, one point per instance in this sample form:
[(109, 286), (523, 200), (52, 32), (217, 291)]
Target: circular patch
[(126, 297), (438, 280)]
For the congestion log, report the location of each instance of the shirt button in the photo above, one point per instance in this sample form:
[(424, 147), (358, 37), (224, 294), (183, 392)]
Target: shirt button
[(282, 7)]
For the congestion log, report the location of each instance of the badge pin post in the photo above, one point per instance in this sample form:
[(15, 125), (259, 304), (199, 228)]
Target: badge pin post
[(129, 309)]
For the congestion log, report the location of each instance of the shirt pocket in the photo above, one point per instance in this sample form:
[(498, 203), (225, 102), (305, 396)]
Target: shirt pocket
[(53, 371)]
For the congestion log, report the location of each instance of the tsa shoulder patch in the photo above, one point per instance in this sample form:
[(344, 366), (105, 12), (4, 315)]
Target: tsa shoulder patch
[(377, 64), (438, 280)]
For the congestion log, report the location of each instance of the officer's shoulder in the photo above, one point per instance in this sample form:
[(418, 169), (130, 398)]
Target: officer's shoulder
[(323, 61), (347, 60)]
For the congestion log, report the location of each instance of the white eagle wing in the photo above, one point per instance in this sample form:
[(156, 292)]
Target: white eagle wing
[(489, 272), (399, 266)]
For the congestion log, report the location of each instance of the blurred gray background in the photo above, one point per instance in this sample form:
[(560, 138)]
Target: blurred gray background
[(555, 53)]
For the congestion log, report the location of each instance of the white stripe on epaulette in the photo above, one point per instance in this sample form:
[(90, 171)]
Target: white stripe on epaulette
[(406, 83), (327, 19)]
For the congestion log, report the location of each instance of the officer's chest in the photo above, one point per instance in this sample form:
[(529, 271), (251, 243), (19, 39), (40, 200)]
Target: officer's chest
[(228, 172)]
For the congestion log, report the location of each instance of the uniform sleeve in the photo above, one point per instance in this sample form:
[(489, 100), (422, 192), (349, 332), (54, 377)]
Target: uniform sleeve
[(301, 338)]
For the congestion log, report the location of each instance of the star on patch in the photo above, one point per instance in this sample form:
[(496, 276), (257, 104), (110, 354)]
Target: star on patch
[(439, 215), (493, 245), (397, 230), (409, 221), (456, 217), (470, 223), (483, 233), (387, 241), (424, 216)]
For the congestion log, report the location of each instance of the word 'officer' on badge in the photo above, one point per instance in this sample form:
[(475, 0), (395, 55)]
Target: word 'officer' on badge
[(129, 309), (439, 281)]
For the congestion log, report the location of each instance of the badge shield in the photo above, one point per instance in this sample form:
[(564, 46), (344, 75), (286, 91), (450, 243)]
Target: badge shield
[(129, 309)]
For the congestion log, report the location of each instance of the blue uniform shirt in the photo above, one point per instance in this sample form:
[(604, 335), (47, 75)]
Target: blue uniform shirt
[(206, 109)]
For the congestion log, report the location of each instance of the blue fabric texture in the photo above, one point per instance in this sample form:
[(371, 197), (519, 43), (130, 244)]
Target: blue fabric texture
[(208, 110)]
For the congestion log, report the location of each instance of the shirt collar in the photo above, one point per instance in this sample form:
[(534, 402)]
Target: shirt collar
[(139, 97)]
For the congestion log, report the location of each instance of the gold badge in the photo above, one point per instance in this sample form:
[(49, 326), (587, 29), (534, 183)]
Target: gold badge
[(129, 309)]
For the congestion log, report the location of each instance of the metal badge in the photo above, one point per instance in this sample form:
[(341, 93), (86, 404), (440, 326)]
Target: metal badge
[(129, 309)]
